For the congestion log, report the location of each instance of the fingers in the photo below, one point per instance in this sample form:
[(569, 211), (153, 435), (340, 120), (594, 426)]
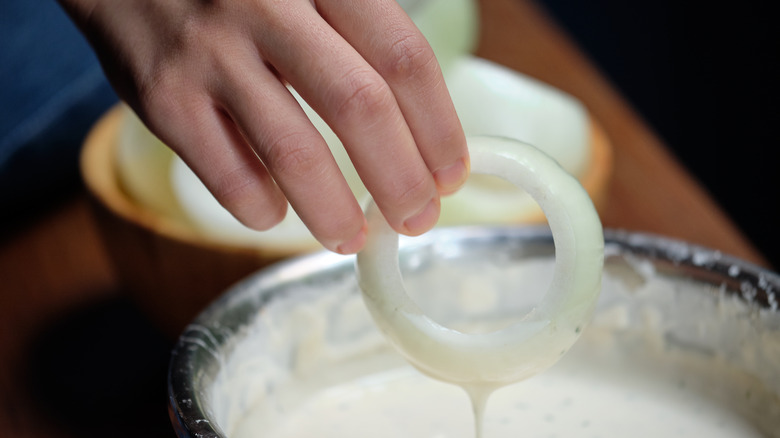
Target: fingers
[(396, 158), (388, 40), (207, 140), (218, 102), (295, 154)]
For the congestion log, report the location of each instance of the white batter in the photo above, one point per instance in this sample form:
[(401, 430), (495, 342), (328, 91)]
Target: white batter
[(651, 364), (595, 391), (659, 361)]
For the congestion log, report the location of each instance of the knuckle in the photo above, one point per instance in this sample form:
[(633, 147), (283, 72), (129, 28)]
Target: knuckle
[(158, 89), (238, 192), (234, 187), (190, 32), (174, 74), (412, 190), (366, 93), (291, 156), (409, 56), (164, 103)]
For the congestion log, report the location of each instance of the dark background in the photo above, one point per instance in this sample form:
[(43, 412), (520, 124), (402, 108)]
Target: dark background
[(703, 76)]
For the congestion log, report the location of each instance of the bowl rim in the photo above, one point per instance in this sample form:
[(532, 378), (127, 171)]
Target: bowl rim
[(750, 282)]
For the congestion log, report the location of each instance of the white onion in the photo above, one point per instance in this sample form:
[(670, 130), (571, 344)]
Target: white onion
[(529, 346), (143, 166), (450, 26), (497, 101)]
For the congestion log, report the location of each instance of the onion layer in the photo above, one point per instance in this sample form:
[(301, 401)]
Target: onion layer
[(527, 347)]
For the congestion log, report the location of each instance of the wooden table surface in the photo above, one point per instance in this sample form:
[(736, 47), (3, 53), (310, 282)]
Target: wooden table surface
[(79, 360)]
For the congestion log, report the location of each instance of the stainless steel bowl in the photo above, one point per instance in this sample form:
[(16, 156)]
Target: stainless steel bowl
[(707, 301)]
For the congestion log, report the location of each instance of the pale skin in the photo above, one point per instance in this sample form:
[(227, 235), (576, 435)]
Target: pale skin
[(209, 78)]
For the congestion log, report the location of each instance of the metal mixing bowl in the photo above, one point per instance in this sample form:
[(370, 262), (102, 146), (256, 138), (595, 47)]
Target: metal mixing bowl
[(709, 301)]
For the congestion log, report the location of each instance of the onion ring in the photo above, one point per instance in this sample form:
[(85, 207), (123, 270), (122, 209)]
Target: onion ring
[(545, 333)]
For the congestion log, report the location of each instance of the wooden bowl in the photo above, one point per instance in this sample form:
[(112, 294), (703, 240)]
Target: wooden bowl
[(173, 271)]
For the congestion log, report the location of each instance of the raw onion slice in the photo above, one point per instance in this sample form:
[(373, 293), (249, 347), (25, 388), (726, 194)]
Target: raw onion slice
[(497, 101), (450, 26), (527, 347), (142, 164)]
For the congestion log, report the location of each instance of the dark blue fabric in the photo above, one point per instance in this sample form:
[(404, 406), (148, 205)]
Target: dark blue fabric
[(52, 90)]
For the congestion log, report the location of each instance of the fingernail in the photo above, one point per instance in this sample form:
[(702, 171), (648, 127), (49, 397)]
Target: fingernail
[(450, 178), (354, 244), (424, 220)]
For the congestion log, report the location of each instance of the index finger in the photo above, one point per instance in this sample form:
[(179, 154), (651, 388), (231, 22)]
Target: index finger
[(390, 42), (401, 131), (356, 101)]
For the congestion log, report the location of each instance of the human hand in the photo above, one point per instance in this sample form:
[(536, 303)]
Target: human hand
[(208, 77)]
